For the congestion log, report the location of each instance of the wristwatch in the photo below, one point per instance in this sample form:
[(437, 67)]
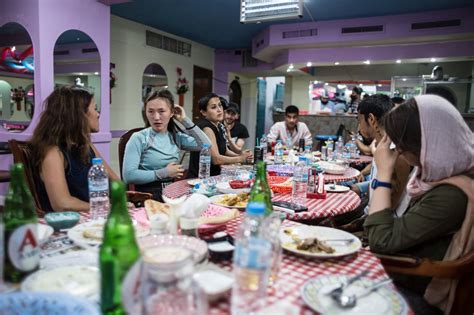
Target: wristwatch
[(376, 183)]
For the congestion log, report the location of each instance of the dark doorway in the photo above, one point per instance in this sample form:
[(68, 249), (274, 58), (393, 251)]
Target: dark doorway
[(202, 84)]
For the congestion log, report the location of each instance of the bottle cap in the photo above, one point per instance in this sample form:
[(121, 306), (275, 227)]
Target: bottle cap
[(97, 161), (279, 141), (205, 146), (257, 208), (302, 158)]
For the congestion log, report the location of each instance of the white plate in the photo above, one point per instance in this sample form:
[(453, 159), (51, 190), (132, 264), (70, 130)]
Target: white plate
[(384, 300), (215, 200), (322, 233), (44, 232), (80, 281), (225, 188), (336, 188), (193, 182), (332, 168), (76, 234)]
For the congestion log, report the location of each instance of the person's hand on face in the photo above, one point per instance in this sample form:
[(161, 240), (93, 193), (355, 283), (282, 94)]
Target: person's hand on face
[(247, 156), (175, 170), (179, 113), (360, 178), (385, 158)]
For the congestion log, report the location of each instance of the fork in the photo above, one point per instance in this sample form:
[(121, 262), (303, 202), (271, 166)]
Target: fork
[(337, 292)]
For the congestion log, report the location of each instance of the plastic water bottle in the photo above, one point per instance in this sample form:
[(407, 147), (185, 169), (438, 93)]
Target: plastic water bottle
[(300, 183), (251, 263), (205, 164), (264, 145), (339, 147), (308, 155), (278, 153), (98, 190), (353, 148), (330, 145)]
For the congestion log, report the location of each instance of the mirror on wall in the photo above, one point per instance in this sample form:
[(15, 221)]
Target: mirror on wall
[(17, 102), (154, 78), (77, 62)]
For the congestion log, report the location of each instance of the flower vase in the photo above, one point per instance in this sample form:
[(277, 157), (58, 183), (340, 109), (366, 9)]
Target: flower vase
[(181, 99)]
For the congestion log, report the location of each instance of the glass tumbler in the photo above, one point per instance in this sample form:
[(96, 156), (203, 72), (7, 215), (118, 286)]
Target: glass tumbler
[(167, 286)]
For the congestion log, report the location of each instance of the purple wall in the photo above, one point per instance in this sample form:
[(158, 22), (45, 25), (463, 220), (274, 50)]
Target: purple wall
[(45, 21)]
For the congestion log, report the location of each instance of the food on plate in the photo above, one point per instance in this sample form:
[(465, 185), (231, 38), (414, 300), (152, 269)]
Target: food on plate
[(286, 183), (238, 184), (222, 218), (239, 200), (94, 232), (311, 244), (153, 208)]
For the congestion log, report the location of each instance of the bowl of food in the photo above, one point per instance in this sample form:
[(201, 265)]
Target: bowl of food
[(62, 220)]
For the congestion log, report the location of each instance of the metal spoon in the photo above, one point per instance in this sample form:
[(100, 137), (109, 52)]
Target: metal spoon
[(349, 301), (337, 292)]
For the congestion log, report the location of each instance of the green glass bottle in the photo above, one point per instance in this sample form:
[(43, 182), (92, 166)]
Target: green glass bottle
[(260, 190), (119, 251), (21, 236)]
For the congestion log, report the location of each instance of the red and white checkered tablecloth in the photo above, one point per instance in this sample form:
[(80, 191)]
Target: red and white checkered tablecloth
[(335, 204), (296, 270), (177, 189), (363, 159), (286, 170)]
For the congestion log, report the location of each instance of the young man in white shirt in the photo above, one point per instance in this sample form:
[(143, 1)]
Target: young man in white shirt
[(291, 130)]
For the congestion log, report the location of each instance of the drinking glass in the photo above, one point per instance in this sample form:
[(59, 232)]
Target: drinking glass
[(167, 286)]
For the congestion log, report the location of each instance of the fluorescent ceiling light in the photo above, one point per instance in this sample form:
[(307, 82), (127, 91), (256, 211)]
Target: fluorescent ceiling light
[(254, 11), (336, 63), (399, 61), (433, 59), (309, 64), (367, 62)]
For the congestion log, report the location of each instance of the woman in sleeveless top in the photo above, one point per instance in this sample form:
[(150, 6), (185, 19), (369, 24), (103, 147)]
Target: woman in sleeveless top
[(211, 108), (62, 149)]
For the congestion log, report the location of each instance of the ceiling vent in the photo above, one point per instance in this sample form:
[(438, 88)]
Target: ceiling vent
[(167, 43), (61, 52), (247, 60), (362, 29), (300, 33), (435, 24)]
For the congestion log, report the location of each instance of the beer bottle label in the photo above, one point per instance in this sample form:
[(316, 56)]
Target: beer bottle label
[(23, 247)]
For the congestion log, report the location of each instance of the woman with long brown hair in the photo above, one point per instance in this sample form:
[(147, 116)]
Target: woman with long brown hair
[(62, 149)]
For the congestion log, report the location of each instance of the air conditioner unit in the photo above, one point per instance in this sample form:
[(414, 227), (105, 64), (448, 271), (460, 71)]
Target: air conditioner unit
[(254, 11)]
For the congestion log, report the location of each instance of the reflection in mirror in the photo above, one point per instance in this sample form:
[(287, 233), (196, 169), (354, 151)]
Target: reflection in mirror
[(77, 62), (16, 78), (154, 78)]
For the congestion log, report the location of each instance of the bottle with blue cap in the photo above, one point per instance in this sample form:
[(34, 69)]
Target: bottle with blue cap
[(98, 190), (300, 182), (204, 163), (252, 256)]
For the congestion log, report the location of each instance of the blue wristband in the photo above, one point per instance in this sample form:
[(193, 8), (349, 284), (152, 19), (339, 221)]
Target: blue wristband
[(376, 183)]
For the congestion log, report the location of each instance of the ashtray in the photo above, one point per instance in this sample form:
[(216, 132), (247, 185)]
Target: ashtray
[(214, 281), (62, 220)]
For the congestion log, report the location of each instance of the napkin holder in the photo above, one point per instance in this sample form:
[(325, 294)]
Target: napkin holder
[(320, 192)]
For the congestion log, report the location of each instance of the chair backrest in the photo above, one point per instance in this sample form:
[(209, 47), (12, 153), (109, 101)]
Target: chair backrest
[(122, 144), (22, 154), (460, 269)]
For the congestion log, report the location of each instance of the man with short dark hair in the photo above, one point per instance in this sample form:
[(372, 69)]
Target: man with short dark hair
[(238, 132), (291, 130), (355, 99), (371, 112)]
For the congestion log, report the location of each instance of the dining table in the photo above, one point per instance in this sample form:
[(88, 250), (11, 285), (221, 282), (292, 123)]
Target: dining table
[(335, 204), (350, 173), (284, 295)]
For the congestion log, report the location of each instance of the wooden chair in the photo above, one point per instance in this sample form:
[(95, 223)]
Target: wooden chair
[(121, 148), (461, 269), (22, 154)]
